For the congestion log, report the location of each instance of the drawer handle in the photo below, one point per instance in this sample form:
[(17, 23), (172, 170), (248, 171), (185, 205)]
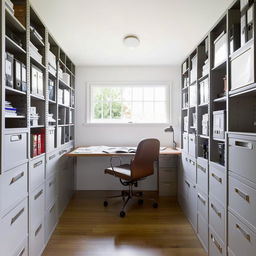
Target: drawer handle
[(192, 162), (201, 199), (52, 182), (216, 210), (63, 152), (244, 144), (38, 163), (22, 252), (242, 194), (247, 236), (14, 138), (17, 215), (52, 208), (201, 168), (216, 243), (217, 178), (186, 159), (52, 156), (38, 194), (16, 178), (38, 229), (187, 183)]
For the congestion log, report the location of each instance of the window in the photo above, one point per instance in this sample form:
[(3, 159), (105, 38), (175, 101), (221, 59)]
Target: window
[(129, 104)]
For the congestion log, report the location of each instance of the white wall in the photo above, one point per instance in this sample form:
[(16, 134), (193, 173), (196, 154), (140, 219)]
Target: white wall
[(89, 175)]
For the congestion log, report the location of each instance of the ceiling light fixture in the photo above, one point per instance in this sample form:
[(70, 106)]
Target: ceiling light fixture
[(131, 41)]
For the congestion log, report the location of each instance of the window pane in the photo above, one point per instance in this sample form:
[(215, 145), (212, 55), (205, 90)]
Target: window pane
[(137, 94), (149, 111), (127, 94), (97, 110), (97, 94), (116, 94), (160, 94), (137, 111), (106, 110), (149, 94), (107, 94), (116, 110), (160, 111), (127, 110)]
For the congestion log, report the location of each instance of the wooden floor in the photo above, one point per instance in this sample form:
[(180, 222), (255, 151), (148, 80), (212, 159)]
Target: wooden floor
[(88, 229)]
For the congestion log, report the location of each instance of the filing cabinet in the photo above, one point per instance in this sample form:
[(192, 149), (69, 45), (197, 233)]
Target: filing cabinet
[(52, 163), (51, 189), (50, 221), (192, 145), (202, 231), (15, 142), (36, 172), (185, 142), (202, 174), (216, 245)]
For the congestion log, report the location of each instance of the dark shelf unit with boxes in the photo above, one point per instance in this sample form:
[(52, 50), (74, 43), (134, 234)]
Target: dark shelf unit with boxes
[(30, 78), (223, 176)]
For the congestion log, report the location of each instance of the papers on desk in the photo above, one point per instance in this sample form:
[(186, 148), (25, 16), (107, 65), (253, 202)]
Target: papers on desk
[(112, 150), (88, 150)]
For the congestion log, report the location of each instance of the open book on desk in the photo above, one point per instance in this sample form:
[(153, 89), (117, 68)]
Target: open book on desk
[(112, 150)]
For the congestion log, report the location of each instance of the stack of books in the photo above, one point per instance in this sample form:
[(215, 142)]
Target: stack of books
[(52, 62), (36, 34), (10, 111), (9, 6), (34, 53)]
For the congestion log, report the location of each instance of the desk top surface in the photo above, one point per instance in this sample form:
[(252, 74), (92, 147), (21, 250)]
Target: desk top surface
[(98, 151)]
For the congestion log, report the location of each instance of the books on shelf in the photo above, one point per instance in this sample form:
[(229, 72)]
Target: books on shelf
[(34, 117), (206, 67), (204, 91), (34, 53), (35, 32), (10, 111), (38, 142), (9, 6)]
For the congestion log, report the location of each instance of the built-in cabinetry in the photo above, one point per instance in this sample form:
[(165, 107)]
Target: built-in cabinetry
[(37, 129), (217, 175)]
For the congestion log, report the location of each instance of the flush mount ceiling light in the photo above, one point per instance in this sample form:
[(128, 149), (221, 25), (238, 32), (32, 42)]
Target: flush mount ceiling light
[(131, 41)]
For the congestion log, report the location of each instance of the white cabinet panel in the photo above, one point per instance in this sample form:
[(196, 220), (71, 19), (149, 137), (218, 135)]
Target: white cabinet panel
[(36, 172)]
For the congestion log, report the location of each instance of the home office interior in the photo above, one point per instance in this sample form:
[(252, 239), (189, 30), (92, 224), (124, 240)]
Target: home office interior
[(128, 128)]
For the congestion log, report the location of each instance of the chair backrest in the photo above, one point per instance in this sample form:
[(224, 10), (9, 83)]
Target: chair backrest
[(146, 154)]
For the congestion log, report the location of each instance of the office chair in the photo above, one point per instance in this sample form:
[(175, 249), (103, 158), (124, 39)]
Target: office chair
[(140, 167)]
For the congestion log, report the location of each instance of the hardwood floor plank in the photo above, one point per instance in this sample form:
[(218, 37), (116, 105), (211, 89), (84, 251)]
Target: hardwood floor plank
[(87, 228)]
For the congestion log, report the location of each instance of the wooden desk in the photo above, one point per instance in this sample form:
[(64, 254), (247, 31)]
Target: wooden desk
[(97, 152)]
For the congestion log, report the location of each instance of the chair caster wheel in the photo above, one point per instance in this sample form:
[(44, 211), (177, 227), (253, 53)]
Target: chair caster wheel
[(140, 201), (155, 205), (122, 214), (105, 203), (140, 193)]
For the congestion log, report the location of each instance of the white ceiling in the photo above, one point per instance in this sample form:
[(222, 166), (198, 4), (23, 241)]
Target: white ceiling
[(91, 31)]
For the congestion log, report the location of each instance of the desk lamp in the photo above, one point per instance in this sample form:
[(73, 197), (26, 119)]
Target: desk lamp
[(170, 129)]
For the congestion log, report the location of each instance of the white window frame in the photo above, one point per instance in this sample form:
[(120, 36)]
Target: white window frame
[(89, 85)]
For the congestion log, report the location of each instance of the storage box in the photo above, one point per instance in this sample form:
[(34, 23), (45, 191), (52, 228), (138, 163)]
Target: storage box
[(220, 49), (51, 138), (66, 97), (205, 124), (51, 90), (184, 67), (37, 85), (193, 73), (60, 96), (185, 123), (52, 59), (59, 136), (66, 78), (204, 91), (193, 96), (219, 126), (242, 69)]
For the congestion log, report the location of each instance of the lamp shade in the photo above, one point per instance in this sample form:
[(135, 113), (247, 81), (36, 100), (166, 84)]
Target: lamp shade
[(169, 129)]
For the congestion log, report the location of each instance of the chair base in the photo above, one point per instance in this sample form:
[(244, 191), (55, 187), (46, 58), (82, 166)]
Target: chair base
[(128, 195)]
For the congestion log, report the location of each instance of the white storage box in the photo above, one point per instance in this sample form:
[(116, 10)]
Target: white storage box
[(34, 120), (59, 136), (193, 96), (204, 94), (185, 123), (52, 59), (220, 49), (205, 124), (242, 69), (66, 78), (51, 136), (66, 97), (193, 72), (60, 96), (219, 124)]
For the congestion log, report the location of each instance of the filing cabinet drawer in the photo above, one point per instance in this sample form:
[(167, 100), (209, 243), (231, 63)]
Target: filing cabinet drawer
[(13, 228), (192, 144), (16, 142), (185, 142), (217, 183), (242, 160), (23, 250), (168, 162), (242, 200), (217, 217), (202, 174), (36, 206), (190, 171), (216, 246), (51, 163), (241, 240), (184, 161), (13, 186), (202, 231), (202, 205), (51, 190), (36, 239), (36, 172), (50, 221)]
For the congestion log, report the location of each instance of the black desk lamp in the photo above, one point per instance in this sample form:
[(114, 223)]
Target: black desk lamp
[(170, 129)]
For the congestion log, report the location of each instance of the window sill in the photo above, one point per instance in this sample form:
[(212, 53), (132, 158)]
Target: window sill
[(126, 124)]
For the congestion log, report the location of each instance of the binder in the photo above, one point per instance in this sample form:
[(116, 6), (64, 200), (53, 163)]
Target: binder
[(23, 78), (40, 85), (34, 144), (34, 80), (17, 72), (9, 69)]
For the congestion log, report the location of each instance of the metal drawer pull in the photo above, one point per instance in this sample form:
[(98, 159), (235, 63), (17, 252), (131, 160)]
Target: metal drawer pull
[(217, 178), (52, 156), (38, 229), (216, 210), (17, 216), (16, 178), (187, 183), (52, 182), (22, 252), (192, 162), (201, 168), (14, 138), (244, 144), (186, 159), (38, 194), (216, 243), (201, 199), (247, 236), (63, 151), (38, 163), (242, 194)]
